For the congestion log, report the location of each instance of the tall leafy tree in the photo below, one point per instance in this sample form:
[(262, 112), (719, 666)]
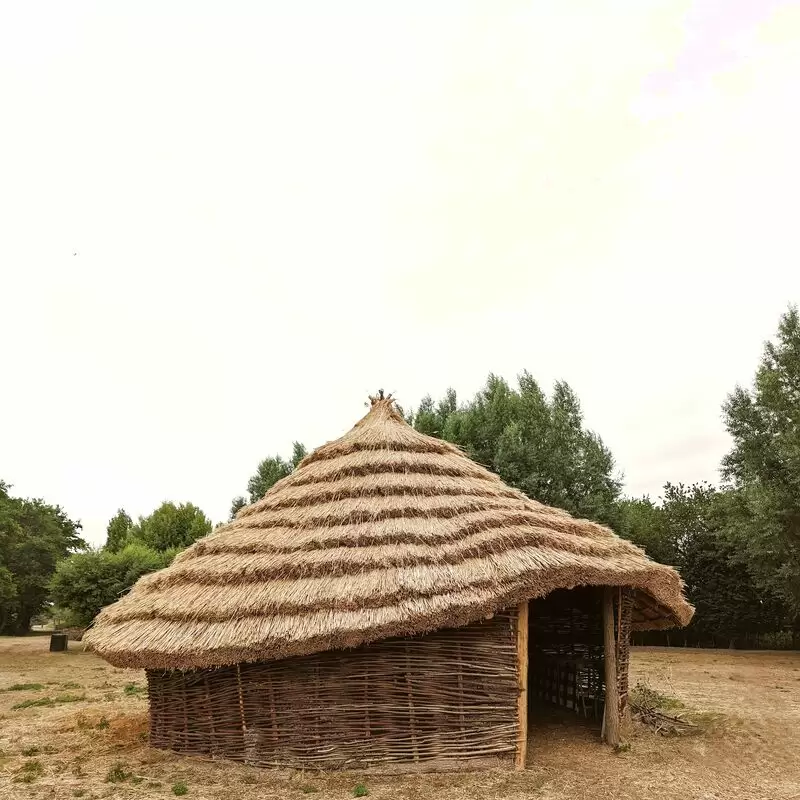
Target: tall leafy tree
[(34, 536), (764, 462), (267, 474), (237, 504), (642, 522), (171, 527), (8, 596), (118, 530), (536, 443), (719, 580), (86, 582), (689, 529)]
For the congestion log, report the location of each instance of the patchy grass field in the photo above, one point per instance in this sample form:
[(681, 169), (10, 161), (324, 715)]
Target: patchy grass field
[(73, 726)]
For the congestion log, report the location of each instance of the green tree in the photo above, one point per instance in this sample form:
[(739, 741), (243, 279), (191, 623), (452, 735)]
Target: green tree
[(642, 522), (171, 527), (34, 536), (8, 596), (716, 569), (689, 529), (237, 504), (86, 582), (267, 474), (534, 443), (764, 463), (117, 532)]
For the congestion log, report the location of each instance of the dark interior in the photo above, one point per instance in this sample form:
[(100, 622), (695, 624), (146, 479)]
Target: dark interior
[(565, 655)]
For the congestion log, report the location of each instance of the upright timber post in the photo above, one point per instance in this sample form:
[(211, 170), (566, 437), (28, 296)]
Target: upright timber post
[(611, 713), (522, 685)]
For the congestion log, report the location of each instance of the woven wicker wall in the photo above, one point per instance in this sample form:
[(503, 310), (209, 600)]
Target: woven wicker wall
[(447, 696)]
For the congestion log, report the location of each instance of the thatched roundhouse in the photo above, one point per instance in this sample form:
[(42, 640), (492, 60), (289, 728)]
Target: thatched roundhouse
[(390, 601)]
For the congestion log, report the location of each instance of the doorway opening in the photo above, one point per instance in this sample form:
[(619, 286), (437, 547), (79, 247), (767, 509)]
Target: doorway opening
[(565, 658)]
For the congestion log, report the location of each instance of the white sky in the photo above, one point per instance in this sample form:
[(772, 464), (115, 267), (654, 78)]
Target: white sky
[(275, 213)]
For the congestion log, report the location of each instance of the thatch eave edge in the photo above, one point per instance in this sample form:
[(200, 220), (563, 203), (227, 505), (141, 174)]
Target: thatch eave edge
[(675, 616)]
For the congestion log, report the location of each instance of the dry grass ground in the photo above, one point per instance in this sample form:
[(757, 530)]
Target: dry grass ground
[(79, 730)]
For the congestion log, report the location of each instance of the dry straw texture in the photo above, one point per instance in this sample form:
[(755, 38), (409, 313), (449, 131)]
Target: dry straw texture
[(384, 532)]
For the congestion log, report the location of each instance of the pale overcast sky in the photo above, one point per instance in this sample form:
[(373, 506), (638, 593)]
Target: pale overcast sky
[(222, 225)]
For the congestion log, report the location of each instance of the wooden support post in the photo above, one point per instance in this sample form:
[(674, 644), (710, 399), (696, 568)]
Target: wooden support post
[(522, 685), (611, 713)]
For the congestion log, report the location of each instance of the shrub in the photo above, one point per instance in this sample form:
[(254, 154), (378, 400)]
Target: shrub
[(777, 640), (117, 773), (360, 791), (23, 687), (49, 701), (645, 696), (85, 582), (180, 788), (29, 772), (69, 698), (41, 701)]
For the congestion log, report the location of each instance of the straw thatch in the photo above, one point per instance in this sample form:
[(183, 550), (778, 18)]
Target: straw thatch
[(383, 532)]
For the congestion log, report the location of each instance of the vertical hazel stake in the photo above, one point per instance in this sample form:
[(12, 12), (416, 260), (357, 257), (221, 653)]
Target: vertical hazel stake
[(367, 723), (412, 721), (210, 708), (611, 714), (461, 720), (240, 693), (522, 685), (184, 694), (272, 715)]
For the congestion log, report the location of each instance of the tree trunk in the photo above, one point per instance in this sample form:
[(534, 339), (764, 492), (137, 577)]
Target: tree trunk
[(22, 626)]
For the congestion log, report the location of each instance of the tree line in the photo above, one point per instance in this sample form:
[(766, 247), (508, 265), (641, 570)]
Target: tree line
[(736, 545)]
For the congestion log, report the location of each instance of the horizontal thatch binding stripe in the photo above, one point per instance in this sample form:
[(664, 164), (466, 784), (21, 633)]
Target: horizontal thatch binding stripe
[(390, 461), (503, 525), (376, 588), (384, 532)]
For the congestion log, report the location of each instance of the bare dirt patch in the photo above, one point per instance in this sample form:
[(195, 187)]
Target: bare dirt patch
[(94, 745)]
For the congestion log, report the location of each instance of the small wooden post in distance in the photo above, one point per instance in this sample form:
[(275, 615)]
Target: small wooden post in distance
[(522, 684), (611, 713)]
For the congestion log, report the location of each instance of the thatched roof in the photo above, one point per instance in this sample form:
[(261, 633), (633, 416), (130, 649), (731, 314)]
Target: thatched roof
[(383, 532)]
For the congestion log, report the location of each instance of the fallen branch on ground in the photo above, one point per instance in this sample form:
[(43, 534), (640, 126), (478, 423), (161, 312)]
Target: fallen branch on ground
[(665, 724)]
